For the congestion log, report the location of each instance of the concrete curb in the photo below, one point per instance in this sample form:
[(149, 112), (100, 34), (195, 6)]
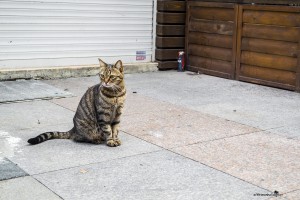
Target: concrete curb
[(69, 71)]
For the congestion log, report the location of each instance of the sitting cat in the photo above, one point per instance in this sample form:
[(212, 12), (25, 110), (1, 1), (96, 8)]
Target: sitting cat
[(98, 114)]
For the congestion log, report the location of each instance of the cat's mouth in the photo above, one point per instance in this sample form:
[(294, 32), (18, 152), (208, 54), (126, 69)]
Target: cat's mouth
[(108, 85), (111, 87)]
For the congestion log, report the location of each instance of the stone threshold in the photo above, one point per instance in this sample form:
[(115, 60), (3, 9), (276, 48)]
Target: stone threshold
[(69, 71)]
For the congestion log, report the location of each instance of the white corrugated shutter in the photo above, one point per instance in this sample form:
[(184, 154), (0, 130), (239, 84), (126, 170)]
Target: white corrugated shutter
[(45, 33)]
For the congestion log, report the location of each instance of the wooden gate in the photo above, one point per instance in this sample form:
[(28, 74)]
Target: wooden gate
[(253, 43), (210, 38), (268, 45)]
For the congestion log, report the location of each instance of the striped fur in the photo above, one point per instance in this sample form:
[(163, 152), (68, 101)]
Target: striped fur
[(98, 114)]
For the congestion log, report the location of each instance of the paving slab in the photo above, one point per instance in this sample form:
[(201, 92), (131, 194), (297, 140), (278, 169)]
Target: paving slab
[(10, 170), (172, 126), (137, 104), (76, 86), (267, 160), (32, 114), (171, 110), (13, 142), (250, 104), (291, 131), (25, 188), (158, 175), (245, 103), (60, 154), (24, 90), (134, 104), (68, 103), (263, 115)]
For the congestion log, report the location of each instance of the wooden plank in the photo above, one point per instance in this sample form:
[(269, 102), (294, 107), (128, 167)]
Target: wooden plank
[(207, 39), (289, 34), (166, 65), (170, 18), (266, 2), (170, 30), (234, 42), (211, 64), (210, 26), (269, 61), (209, 72), (187, 29), (273, 75), (267, 83), (271, 18), (210, 13), (270, 47), (171, 6), (220, 4), (298, 69), (170, 42), (210, 52), (167, 54), (272, 4), (239, 28)]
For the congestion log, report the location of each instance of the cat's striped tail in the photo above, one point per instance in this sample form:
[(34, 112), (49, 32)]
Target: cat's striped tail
[(49, 136)]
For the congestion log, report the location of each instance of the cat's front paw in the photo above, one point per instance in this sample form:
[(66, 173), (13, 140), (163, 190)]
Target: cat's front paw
[(113, 143), (118, 142)]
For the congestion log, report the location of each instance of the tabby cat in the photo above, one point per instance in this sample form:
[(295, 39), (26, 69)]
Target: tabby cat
[(98, 114)]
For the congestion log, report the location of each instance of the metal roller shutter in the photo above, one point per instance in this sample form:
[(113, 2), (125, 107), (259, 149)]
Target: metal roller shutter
[(45, 33)]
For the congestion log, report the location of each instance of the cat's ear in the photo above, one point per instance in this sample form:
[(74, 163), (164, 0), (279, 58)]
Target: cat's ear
[(102, 64), (119, 66)]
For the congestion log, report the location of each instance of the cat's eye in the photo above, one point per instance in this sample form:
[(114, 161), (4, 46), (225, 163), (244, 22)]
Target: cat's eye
[(113, 77), (101, 76)]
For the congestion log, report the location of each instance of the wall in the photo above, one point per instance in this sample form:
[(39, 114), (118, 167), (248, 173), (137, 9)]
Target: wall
[(48, 33)]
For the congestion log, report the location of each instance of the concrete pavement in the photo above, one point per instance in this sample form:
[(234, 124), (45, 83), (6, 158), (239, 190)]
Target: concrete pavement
[(185, 136)]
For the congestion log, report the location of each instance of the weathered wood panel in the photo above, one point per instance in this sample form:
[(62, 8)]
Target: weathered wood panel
[(170, 18), (298, 69), (167, 54), (210, 4), (210, 52), (211, 64), (210, 72), (165, 65), (210, 38), (270, 47), (267, 2), (271, 18), (269, 61), (210, 26), (210, 13), (171, 6), (289, 34), (277, 76), (170, 42), (206, 39), (170, 30)]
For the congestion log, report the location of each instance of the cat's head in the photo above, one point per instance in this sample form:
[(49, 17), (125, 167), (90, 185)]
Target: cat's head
[(111, 75)]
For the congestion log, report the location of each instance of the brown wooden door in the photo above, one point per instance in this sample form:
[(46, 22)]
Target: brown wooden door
[(268, 45), (211, 38)]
